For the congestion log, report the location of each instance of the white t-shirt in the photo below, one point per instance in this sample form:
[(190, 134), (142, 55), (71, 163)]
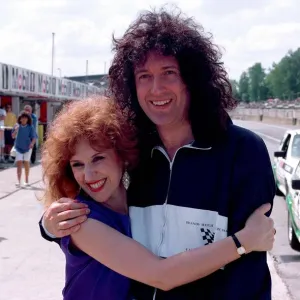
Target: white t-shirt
[(2, 113)]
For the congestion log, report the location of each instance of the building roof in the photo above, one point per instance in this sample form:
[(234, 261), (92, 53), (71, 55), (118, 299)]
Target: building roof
[(99, 80)]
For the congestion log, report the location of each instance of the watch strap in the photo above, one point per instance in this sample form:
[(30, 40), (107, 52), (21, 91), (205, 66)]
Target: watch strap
[(240, 249), (236, 241)]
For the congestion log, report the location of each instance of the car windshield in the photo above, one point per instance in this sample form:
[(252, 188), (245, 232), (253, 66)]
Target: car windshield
[(296, 146), (297, 172)]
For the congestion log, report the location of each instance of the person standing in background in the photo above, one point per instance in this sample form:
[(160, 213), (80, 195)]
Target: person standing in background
[(9, 121), (25, 136), (28, 109), (2, 141)]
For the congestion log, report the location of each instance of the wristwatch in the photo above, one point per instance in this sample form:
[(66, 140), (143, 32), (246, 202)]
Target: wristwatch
[(239, 248)]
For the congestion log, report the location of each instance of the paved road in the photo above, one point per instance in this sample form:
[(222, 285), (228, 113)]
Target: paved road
[(33, 269), (287, 261), (30, 268)]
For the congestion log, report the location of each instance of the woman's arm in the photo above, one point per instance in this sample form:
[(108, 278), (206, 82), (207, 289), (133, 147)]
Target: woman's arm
[(15, 131), (129, 258), (32, 143), (33, 137)]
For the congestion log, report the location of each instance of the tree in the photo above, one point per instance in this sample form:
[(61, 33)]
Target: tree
[(244, 87), (284, 78), (281, 81), (235, 89), (274, 82), (258, 89)]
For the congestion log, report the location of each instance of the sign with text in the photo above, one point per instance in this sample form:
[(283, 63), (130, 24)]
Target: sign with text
[(24, 82)]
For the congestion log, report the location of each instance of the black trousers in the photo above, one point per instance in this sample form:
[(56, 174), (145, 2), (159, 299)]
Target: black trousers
[(33, 154)]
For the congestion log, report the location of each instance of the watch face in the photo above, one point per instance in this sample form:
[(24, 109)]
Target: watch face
[(241, 250)]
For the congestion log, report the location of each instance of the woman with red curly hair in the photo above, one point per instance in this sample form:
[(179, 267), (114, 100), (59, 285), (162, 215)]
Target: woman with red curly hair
[(89, 148)]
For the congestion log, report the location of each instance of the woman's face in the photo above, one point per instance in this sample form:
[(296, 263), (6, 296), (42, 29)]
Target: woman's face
[(24, 120), (99, 174)]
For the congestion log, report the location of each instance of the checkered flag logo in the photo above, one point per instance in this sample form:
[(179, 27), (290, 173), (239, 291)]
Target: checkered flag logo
[(207, 236)]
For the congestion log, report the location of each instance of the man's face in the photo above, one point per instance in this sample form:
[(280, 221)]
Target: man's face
[(160, 90), (28, 110)]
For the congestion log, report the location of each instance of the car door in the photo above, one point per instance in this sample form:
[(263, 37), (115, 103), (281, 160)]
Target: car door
[(295, 205), (281, 161)]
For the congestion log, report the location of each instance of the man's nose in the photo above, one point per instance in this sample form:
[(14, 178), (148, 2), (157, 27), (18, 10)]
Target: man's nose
[(157, 86)]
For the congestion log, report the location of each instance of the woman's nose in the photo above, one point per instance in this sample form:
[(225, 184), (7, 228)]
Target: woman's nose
[(90, 173)]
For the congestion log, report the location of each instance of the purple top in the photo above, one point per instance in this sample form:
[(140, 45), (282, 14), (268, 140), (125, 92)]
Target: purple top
[(86, 278)]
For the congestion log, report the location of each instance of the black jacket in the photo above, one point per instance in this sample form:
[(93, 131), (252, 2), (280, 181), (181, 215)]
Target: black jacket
[(205, 194)]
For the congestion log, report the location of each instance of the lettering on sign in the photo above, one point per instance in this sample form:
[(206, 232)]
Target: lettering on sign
[(4, 76), (23, 81)]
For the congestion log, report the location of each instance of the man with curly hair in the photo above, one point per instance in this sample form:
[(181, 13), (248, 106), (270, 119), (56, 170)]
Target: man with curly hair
[(200, 176)]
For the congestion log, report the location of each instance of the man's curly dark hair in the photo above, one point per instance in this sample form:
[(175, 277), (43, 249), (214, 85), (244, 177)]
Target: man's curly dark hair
[(199, 59)]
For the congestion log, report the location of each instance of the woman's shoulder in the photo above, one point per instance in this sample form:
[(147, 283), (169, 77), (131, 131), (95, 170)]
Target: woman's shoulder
[(97, 211)]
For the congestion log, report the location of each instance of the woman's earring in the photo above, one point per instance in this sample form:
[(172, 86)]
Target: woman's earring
[(126, 179)]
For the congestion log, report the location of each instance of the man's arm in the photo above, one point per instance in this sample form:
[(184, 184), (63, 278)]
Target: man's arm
[(253, 180), (47, 235), (62, 218), (2, 114), (253, 184)]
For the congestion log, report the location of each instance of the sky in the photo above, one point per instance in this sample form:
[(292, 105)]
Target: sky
[(247, 31)]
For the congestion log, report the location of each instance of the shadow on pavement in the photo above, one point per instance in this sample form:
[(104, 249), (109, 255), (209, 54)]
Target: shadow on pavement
[(290, 258), (2, 239), (33, 188)]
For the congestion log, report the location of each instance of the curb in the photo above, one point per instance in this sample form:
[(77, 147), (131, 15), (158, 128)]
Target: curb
[(18, 189), (279, 288)]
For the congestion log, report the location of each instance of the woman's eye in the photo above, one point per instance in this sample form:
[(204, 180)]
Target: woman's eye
[(98, 158), (77, 165)]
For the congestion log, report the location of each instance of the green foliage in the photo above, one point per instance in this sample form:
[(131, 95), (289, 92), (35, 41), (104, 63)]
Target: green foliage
[(244, 87), (281, 81), (235, 89)]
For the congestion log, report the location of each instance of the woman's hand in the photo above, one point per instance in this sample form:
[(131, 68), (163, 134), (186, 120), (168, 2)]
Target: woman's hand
[(64, 217), (258, 233)]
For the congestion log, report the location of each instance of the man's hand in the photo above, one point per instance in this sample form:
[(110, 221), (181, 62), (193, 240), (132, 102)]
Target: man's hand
[(64, 217)]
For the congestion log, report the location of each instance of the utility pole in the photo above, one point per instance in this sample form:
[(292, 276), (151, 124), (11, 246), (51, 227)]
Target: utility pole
[(52, 64), (86, 71)]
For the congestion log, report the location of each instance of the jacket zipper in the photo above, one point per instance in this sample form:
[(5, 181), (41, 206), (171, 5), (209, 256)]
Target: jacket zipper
[(162, 150)]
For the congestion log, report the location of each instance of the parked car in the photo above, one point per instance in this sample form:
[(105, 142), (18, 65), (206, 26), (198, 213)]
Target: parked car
[(286, 160), (293, 204), (287, 175)]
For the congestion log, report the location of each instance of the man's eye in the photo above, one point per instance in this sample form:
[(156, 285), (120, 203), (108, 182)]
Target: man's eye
[(170, 72), (144, 76)]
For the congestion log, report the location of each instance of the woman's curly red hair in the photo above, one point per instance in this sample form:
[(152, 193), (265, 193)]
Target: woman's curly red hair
[(102, 123)]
